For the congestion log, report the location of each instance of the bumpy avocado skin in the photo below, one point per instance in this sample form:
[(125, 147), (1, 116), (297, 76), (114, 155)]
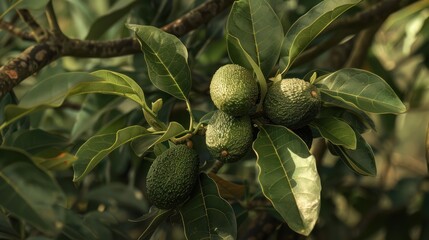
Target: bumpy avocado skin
[(228, 138), (234, 90), (292, 103), (172, 176)]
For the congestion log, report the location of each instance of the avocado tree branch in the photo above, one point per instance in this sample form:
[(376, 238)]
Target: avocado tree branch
[(18, 32), (50, 48)]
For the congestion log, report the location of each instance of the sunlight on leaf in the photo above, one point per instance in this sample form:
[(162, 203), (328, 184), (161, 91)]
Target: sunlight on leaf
[(336, 131), (288, 176)]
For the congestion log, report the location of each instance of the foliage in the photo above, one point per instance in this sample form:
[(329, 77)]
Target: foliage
[(70, 172)]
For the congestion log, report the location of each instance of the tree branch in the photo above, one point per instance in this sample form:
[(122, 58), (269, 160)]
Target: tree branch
[(16, 31), (37, 31), (26, 64)]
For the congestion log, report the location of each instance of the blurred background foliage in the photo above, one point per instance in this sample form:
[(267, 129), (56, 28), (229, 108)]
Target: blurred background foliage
[(393, 205)]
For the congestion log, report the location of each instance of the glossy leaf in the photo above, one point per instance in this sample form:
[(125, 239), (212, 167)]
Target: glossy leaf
[(206, 215), (336, 131), (361, 89), (115, 13), (166, 58), (98, 147), (308, 27), (288, 176), (143, 143), (361, 160), (30, 193), (115, 83), (257, 27)]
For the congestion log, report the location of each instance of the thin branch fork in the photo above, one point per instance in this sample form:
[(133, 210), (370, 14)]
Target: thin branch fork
[(55, 44)]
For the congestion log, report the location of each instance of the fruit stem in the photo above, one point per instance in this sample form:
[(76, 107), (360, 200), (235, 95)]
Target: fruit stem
[(191, 116), (216, 167)]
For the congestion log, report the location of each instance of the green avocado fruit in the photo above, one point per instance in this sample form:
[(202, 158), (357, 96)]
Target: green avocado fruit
[(292, 103), (172, 176), (228, 138), (234, 90)]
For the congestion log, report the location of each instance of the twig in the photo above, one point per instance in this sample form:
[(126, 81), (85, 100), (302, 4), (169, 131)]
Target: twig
[(53, 21), (216, 167), (11, 74), (38, 32), (16, 31), (362, 44)]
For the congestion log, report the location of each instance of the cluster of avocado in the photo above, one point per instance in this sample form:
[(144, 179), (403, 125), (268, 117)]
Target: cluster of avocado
[(234, 90), (292, 103)]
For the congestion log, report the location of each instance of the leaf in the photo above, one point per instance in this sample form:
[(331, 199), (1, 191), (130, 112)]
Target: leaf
[(103, 23), (288, 176), (75, 228), (361, 160), (98, 147), (143, 143), (336, 131), (152, 220), (166, 58), (36, 140), (358, 120), (50, 92), (54, 159), (361, 89), (30, 193), (227, 189), (206, 215), (257, 27), (94, 106), (117, 84), (308, 27)]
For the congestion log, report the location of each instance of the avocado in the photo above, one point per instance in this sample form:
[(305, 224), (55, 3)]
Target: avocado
[(234, 90), (172, 176), (292, 103), (228, 138)]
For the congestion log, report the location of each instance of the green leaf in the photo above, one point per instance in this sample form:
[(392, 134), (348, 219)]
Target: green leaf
[(76, 229), (54, 159), (52, 91), (115, 13), (116, 84), (206, 215), (151, 220), (358, 120), (98, 147), (166, 58), (308, 27), (36, 140), (94, 106), (361, 160), (30, 193), (336, 131), (257, 27), (362, 90), (288, 176), (143, 143)]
